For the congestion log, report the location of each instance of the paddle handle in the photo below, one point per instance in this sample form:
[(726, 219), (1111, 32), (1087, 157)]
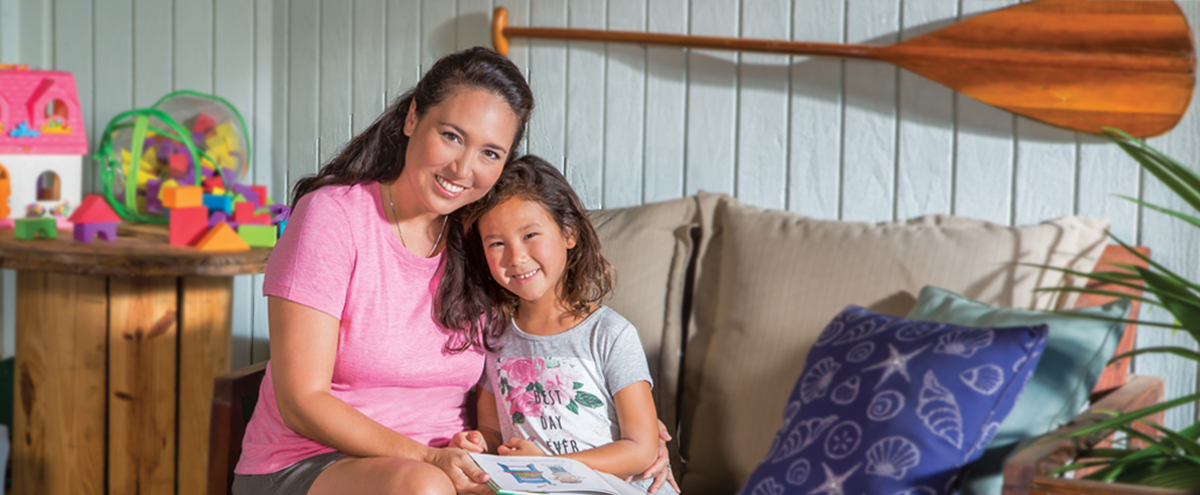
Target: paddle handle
[(501, 31)]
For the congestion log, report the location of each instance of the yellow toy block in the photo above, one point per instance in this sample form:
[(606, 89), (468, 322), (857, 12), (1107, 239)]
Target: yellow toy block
[(222, 238), (183, 196)]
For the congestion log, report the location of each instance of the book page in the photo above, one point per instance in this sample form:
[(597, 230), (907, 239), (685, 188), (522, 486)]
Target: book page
[(542, 475)]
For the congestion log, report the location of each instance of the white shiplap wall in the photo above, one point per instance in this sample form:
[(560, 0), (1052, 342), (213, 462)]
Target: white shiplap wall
[(851, 140)]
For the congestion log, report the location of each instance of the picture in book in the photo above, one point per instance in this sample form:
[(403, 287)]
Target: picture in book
[(529, 475)]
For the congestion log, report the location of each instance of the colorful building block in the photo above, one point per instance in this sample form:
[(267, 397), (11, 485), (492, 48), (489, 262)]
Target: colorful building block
[(28, 228), (213, 183), (219, 216), (87, 232), (246, 212), (222, 238), (179, 164), (187, 225), (262, 195), (203, 123), (221, 202), (154, 204), (282, 225), (257, 235), (280, 213), (183, 197), (94, 209)]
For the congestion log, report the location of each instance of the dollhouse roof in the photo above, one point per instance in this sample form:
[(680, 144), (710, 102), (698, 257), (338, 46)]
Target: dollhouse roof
[(24, 96)]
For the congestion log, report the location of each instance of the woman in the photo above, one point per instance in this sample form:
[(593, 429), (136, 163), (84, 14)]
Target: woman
[(364, 388)]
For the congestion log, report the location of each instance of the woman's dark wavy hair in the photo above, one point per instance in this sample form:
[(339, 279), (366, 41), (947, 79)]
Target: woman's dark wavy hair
[(587, 279), (377, 154)]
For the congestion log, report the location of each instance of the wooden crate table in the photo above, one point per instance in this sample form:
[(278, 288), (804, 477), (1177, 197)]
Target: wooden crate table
[(117, 347)]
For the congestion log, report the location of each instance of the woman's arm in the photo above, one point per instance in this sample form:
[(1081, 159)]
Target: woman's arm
[(303, 349), (638, 447)]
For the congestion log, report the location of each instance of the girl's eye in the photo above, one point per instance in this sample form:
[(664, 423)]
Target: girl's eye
[(530, 235), (495, 244)]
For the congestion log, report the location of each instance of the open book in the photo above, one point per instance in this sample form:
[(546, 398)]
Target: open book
[(538, 475)]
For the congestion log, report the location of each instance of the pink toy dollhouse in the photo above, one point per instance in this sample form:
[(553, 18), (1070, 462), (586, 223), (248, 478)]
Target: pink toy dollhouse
[(42, 142)]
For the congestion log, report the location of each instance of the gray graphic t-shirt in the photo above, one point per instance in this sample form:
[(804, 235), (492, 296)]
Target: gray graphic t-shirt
[(557, 391)]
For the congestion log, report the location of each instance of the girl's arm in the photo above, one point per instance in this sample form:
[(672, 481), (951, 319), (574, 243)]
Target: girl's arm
[(304, 345), (638, 447), (489, 420)]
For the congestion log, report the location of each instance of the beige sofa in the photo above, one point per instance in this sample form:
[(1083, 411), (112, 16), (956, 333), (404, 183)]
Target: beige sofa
[(728, 299)]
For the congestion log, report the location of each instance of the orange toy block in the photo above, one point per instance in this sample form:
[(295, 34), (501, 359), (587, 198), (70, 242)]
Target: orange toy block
[(244, 212), (203, 123), (94, 209), (222, 238), (183, 197), (188, 225)]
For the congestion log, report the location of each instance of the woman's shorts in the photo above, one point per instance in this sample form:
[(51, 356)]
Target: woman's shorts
[(292, 480)]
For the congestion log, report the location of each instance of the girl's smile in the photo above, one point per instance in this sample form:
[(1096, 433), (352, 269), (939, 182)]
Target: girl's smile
[(526, 250)]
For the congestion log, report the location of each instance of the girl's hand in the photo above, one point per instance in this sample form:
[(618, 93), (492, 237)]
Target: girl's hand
[(466, 475), (661, 469), (470, 441), (519, 446)]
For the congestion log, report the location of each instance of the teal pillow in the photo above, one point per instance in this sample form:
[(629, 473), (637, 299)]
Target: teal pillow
[(1076, 352)]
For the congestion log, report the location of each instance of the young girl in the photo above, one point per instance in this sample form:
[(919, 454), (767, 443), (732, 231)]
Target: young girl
[(567, 377)]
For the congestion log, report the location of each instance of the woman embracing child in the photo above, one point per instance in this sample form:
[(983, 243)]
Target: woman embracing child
[(564, 376)]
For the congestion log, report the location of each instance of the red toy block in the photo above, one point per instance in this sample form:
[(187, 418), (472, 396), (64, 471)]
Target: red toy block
[(94, 209), (179, 163), (188, 225), (262, 195), (244, 212), (213, 183), (203, 123), (182, 197)]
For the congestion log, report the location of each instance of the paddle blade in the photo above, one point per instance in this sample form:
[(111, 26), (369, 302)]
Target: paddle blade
[(1078, 64)]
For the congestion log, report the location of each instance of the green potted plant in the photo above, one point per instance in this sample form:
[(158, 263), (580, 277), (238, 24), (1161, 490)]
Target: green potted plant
[(1169, 458)]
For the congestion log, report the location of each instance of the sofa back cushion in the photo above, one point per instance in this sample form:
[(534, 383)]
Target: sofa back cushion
[(650, 246), (768, 281)]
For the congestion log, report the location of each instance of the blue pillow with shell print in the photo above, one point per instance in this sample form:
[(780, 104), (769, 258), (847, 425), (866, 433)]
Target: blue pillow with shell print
[(890, 406)]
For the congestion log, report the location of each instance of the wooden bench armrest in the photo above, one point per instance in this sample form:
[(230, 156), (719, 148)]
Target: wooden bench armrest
[(1047, 455)]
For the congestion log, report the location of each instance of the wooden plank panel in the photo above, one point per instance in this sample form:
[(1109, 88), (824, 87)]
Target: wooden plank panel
[(584, 165), (403, 48), (439, 34), (280, 88), (762, 132), (816, 114), (712, 101), (548, 80), (153, 28), (1045, 172), (73, 40), (262, 135), (59, 397), (335, 99), (260, 348), (304, 61), (204, 353), (37, 49), (234, 64), (624, 108), (1106, 171), (518, 50), (8, 311), (984, 155), (11, 32), (473, 25), (666, 113), (868, 172), (242, 327), (113, 24), (194, 45), (369, 90), (925, 148), (142, 346)]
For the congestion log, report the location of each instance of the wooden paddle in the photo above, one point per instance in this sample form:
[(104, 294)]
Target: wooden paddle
[(1078, 64)]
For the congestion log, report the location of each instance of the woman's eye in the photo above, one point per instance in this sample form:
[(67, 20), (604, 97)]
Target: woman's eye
[(492, 154), (451, 136)]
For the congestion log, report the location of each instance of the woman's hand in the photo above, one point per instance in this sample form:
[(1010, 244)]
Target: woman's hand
[(466, 475), (470, 441), (661, 469), (519, 446)]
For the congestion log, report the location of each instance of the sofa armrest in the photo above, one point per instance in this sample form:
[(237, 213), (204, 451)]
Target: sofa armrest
[(1026, 470)]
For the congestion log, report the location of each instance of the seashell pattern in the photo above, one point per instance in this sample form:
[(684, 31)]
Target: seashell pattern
[(985, 379), (860, 352), (989, 432), (802, 435), (939, 410), (843, 440), (767, 487), (917, 330), (816, 381), (860, 330), (832, 330), (892, 457), (964, 343), (797, 474), (885, 405), (917, 490), (1019, 363), (846, 392)]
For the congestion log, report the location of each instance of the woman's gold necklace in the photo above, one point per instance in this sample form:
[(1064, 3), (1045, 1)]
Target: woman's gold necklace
[(401, 232)]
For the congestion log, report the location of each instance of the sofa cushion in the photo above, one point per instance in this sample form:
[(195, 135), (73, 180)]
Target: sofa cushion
[(767, 282), (649, 247), (1076, 352), (890, 405)]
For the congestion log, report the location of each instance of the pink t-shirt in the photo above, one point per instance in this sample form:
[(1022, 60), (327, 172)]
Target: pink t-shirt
[(338, 255)]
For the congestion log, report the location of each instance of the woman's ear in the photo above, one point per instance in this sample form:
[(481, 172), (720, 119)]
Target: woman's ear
[(410, 120)]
